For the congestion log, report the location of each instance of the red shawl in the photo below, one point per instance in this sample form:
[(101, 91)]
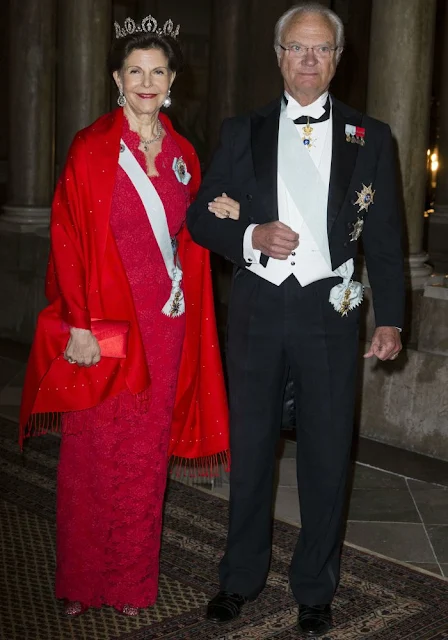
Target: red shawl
[(86, 279)]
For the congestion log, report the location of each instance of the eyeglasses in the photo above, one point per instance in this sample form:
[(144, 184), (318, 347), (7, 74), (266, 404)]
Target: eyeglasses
[(321, 51)]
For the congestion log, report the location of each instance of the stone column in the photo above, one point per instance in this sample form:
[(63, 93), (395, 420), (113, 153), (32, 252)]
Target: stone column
[(350, 82), (401, 401), (227, 77), (226, 69), (263, 81), (438, 221), (401, 54), (84, 37), (4, 104), (31, 114)]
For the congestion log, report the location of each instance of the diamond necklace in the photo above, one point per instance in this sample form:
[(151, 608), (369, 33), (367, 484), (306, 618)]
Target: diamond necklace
[(146, 143)]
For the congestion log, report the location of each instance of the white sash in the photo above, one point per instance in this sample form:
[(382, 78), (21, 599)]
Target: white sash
[(155, 211), (304, 183)]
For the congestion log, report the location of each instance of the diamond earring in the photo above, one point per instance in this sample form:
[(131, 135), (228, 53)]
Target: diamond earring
[(167, 101), (121, 100)]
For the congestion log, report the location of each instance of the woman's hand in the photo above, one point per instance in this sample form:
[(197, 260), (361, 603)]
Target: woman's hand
[(224, 207), (82, 348)]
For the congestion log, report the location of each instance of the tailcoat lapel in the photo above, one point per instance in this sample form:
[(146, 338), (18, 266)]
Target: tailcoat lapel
[(264, 135), (343, 160)]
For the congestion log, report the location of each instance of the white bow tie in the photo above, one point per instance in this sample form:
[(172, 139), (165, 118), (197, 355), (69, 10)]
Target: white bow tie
[(295, 110)]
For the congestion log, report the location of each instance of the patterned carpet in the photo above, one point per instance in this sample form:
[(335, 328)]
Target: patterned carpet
[(377, 599)]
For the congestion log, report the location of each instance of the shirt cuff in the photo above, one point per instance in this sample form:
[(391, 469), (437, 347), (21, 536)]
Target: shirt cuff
[(250, 254)]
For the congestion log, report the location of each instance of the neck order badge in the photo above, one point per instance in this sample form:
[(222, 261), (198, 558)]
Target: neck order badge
[(307, 130)]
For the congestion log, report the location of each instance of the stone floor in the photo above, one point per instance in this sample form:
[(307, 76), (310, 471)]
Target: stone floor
[(399, 500), (389, 513)]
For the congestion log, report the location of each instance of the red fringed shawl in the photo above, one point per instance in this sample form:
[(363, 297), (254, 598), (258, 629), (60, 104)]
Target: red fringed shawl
[(86, 279)]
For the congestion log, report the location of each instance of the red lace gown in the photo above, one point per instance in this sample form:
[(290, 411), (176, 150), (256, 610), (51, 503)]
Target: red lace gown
[(112, 474)]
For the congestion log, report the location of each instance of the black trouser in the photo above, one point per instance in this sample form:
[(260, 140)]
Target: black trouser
[(273, 329)]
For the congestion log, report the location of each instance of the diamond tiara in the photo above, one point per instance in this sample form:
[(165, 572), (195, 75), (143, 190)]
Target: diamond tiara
[(147, 25)]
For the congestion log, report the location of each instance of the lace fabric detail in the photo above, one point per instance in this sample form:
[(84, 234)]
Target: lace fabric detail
[(111, 482)]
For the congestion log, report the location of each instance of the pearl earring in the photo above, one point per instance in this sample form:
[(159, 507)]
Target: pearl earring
[(167, 101)]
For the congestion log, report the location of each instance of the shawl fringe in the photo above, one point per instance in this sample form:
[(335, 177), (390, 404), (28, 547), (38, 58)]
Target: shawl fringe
[(40, 424), (204, 467), (209, 466)]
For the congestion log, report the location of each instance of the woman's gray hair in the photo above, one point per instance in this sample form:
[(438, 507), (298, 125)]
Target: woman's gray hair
[(306, 8)]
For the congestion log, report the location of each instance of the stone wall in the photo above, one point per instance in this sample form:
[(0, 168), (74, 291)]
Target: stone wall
[(23, 261), (405, 402)]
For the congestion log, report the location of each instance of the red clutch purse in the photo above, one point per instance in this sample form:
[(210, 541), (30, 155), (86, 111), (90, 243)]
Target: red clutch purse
[(112, 336)]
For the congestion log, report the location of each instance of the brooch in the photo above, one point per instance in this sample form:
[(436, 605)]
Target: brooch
[(180, 169), (365, 198), (355, 134)]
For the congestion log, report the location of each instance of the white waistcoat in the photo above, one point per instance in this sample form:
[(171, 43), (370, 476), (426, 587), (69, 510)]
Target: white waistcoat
[(302, 205)]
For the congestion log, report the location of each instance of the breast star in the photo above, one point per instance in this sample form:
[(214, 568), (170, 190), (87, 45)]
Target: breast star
[(365, 198)]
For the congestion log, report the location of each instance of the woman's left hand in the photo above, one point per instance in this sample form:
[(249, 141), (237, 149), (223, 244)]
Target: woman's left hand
[(224, 207)]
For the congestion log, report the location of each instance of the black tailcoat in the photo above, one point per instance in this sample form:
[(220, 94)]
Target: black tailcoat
[(273, 330)]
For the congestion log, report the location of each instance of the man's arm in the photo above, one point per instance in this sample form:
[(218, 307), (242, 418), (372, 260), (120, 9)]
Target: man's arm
[(382, 240), (226, 236), (223, 236), (384, 257)]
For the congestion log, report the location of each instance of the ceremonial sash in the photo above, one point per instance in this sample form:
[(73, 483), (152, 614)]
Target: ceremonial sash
[(304, 183), (175, 306)]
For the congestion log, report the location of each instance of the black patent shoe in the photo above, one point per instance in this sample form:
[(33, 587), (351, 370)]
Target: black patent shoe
[(225, 607), (315, 620)]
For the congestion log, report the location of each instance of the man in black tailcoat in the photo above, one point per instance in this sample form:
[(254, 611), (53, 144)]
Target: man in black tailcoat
[(312, 175)]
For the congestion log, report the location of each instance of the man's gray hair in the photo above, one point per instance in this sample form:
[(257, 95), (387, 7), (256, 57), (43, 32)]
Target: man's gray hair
[(304, 8)]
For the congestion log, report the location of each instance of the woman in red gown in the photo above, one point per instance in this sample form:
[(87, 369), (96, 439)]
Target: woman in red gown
[(117, 233)]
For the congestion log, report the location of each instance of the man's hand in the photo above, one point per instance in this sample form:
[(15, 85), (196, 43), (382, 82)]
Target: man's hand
[(82, 348), (386, 344), (275, 240)]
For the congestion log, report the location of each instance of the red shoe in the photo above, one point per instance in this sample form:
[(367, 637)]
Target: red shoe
[(74, 608)]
